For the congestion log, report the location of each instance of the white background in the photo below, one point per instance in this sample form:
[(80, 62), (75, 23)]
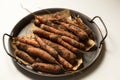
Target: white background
[(108, 68)]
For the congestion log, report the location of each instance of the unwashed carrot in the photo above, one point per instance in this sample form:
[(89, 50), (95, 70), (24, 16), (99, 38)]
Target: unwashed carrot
[(33, 51), (65, 63), (27, 41), (76, 30), (84, 27), (23, 55), (55, 38), (56, 31), (47, 48), (47, 68), (65, 53), (73, 42)]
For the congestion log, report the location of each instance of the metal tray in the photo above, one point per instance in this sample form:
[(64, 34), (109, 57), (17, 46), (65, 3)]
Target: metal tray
[(88, 58)]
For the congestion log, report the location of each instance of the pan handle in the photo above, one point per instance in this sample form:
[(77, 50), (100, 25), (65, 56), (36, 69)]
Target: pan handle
[(92, 21), (12, 56)]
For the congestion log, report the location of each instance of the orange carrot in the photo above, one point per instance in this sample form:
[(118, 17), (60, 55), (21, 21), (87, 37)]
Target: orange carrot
[(27, 41), (47, 68), (47, 48), (36, 52), (84, 27), (76, 30), (73, 42), (56, 31), (65, 63), (65, 53), (55, 38), (23, 55)]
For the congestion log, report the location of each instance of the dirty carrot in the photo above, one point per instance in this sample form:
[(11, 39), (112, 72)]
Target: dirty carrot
[(47, 68), (73, 42), (76, 30), (56, 31), (23, 55), (65, 53), (84, 27), (47, 48), (37, 52), (65, 63), (27, 41), (55, 38)]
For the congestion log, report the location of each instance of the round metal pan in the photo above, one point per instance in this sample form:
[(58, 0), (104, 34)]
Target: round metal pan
[(88, 58)]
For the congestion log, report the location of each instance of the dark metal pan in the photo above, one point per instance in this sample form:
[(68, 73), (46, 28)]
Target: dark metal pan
[(88, 58)]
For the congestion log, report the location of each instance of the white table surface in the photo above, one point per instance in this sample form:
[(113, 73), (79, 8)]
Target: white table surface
[(107, 68)]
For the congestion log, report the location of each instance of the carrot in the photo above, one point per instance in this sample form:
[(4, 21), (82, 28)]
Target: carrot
[(47, 68), (55, 38), (41, 19), (40, 44), (45, 18), (27, 41), (56, 26), (59, 40), (79, 22), (68, 46), (65, 53), (53, 16), (47, 48), (84, 27), (73, 42), (41, 32), (76, 30), (46, 34), (65, 63), (56, 31), (37, 52), (69, 21), (23, 55)]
